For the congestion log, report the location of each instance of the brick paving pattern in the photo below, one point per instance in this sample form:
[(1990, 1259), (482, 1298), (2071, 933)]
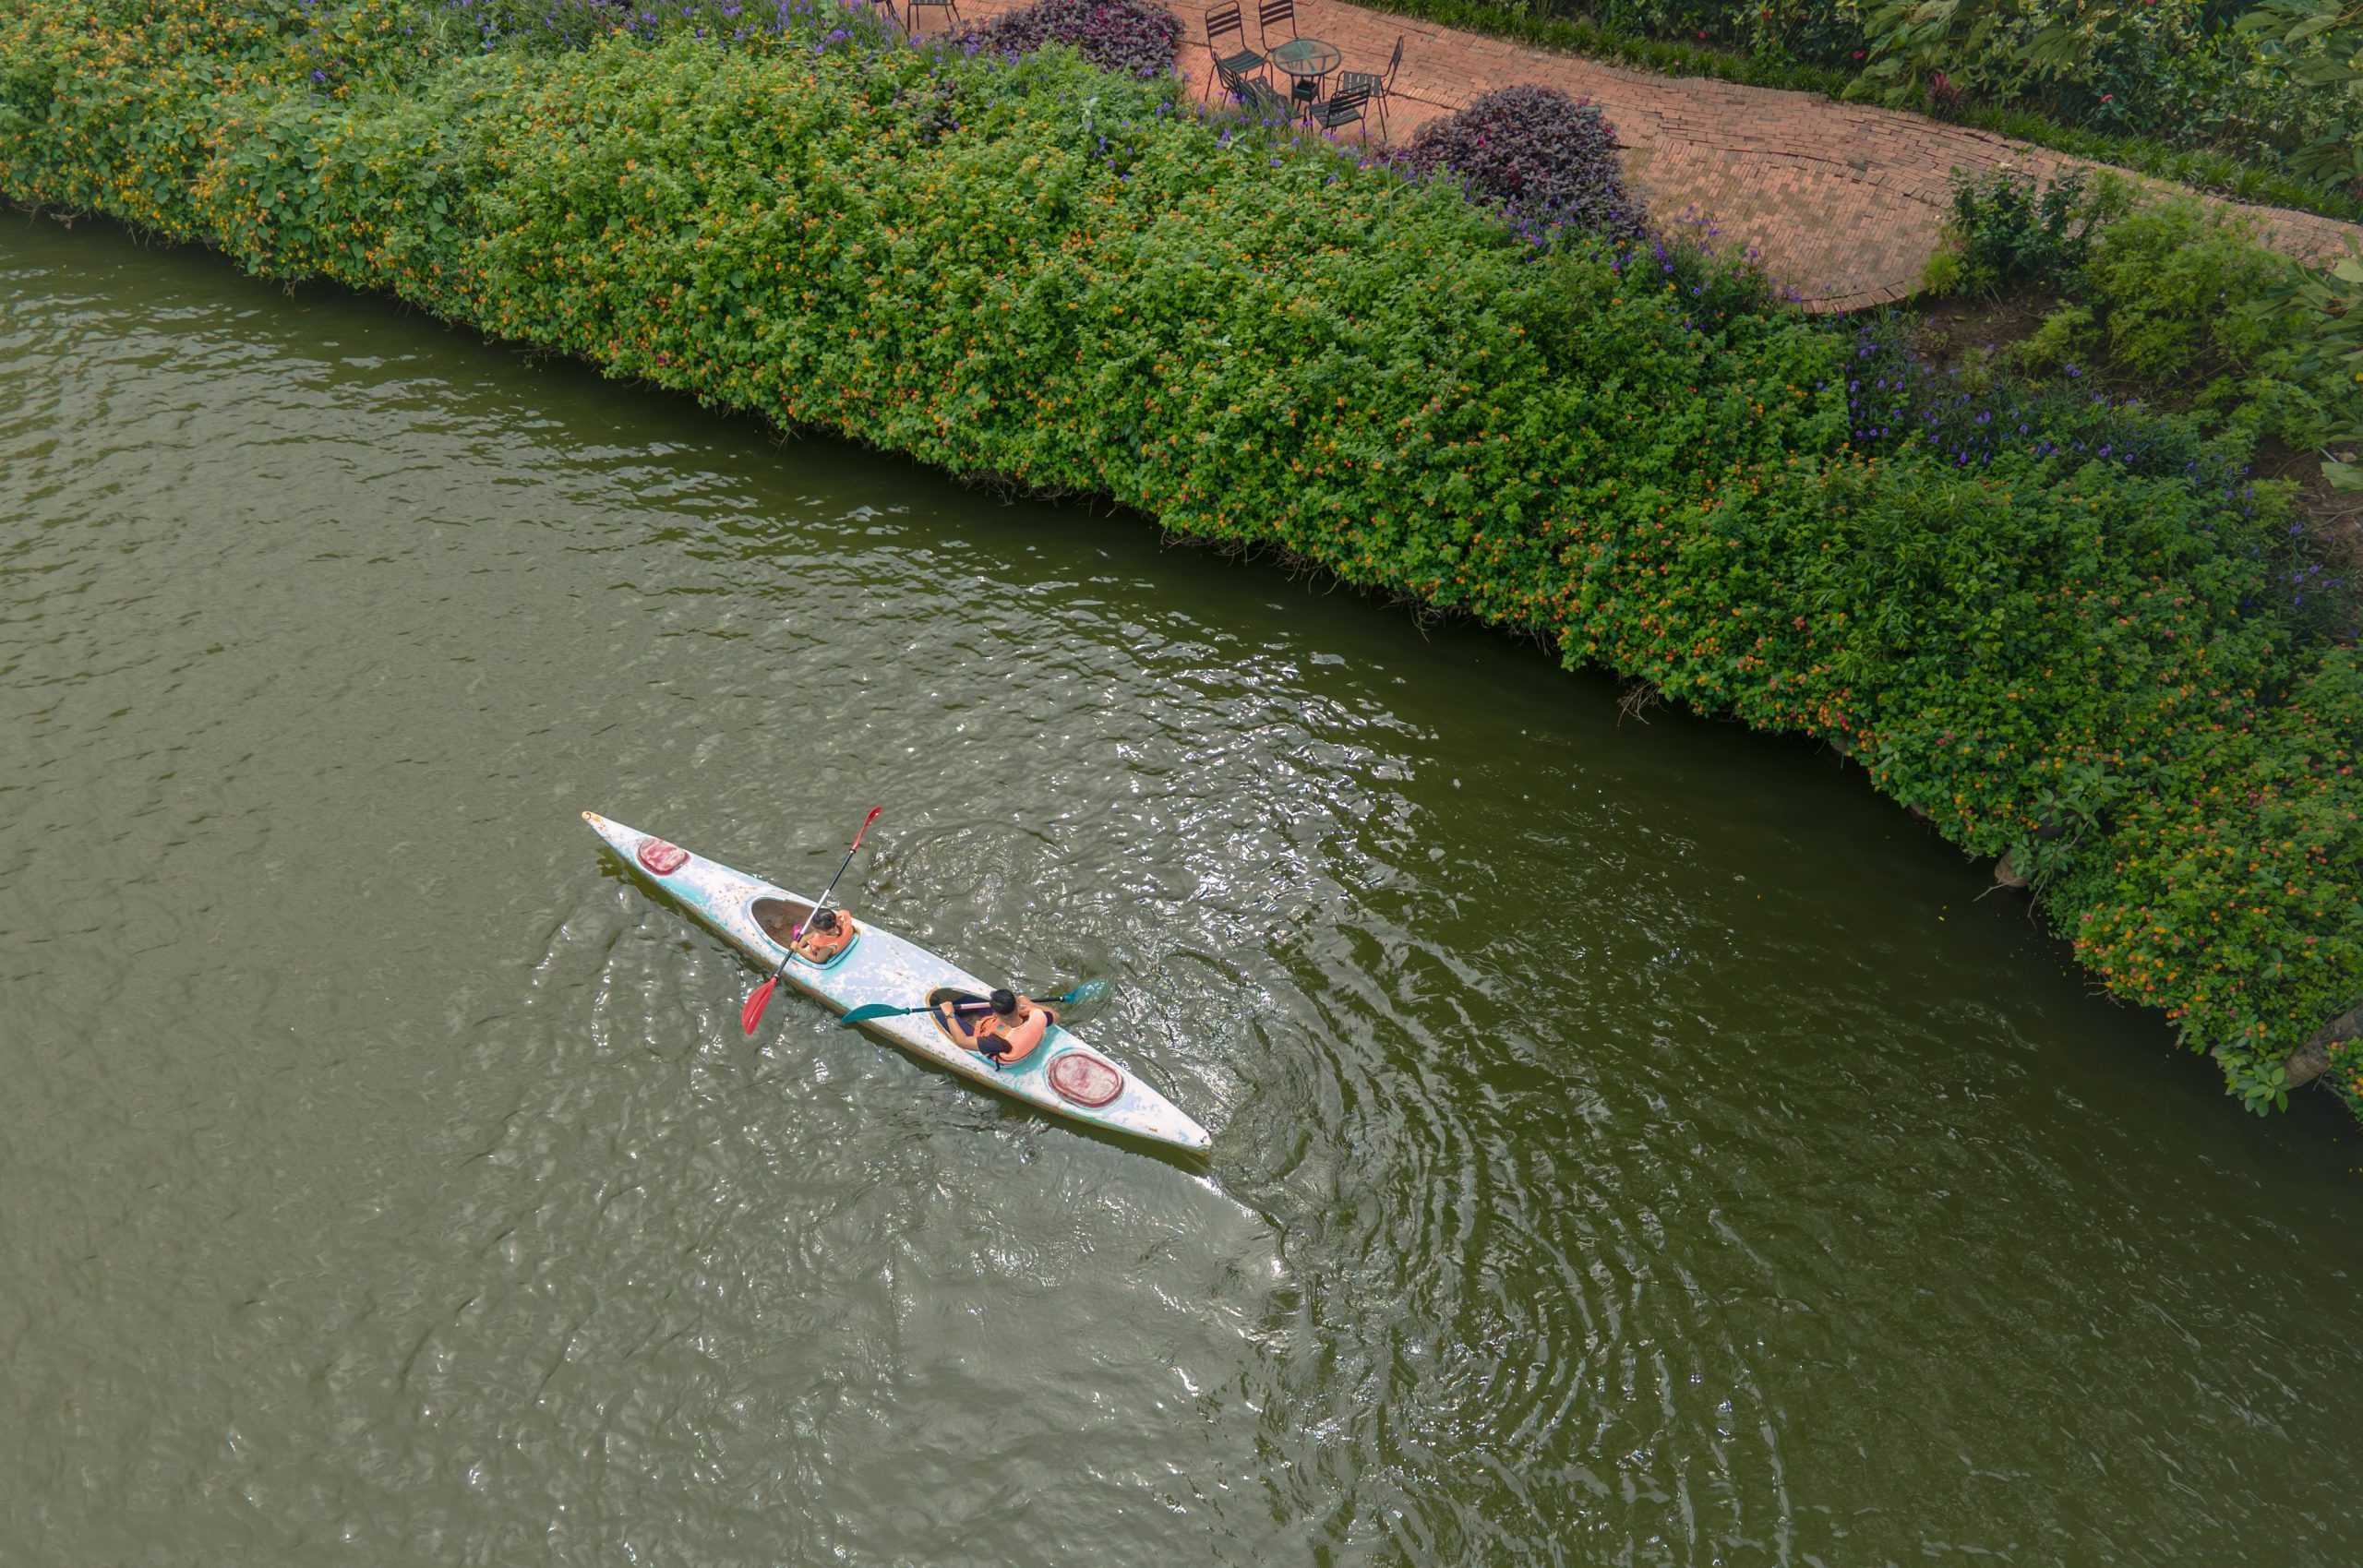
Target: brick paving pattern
[(1841, 201)]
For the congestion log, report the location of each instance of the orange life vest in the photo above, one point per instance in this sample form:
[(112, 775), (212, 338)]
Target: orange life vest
[(817, 946), (1023, 1030)]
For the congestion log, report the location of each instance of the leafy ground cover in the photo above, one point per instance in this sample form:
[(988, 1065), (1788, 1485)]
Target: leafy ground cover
[(2072, 647), (2179, 299)]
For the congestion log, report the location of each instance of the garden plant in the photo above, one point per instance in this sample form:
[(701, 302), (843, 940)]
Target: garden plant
[(1545, 159), (2175, 296), (1132, 38)]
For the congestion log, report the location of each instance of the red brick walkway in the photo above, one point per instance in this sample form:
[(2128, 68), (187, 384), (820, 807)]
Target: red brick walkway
[(1841, 201)]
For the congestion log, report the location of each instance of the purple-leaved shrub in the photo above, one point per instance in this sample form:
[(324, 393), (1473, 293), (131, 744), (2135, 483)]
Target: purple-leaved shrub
[(1545, 157), (1133, 38)]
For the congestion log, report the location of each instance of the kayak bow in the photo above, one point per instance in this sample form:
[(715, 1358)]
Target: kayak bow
[(1064, 1074)]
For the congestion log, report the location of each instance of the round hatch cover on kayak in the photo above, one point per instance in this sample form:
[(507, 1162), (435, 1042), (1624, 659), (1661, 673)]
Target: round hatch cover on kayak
[(661, 857), (1084, 1079)]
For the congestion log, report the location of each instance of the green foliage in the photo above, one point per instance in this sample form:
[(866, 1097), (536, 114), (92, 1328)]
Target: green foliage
[(2007, 649), (1913, 42), (2262, 1089), (1942, 274), (2170, 280), (2319, 44), (2015, 47), (1648, 41), (2319, 312), (2236, 897), (1038, 271), (2276, 90), (2345, 1078), (2182, 297), (2006, 228), (2068, 335)]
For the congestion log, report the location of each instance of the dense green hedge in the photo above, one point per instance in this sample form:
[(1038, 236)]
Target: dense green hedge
[(1039, 271), (2231, 896)]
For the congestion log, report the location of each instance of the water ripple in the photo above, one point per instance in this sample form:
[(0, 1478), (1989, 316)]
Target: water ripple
[(1634, 1146)]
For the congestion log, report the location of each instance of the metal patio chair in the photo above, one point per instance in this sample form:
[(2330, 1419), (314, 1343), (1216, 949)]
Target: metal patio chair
[(1256, 95), (1271, 12), (912, 7), (1381, 84), (1221, 21), (1343, 107)]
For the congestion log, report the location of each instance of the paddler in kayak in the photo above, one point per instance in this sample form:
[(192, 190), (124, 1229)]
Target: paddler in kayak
[(828, 934), (1005, 1030)]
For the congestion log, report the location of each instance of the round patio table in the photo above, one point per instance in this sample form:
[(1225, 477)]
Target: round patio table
[(1308, 59)]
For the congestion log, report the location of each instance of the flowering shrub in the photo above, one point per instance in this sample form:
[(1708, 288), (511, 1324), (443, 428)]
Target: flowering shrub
[(1036, 269), (1897, 400), (2231, 900), (1544, 156), (1132, 38), (2345, 1078)]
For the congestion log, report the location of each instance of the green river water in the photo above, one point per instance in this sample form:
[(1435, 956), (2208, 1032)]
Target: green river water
[(1635, 1143)]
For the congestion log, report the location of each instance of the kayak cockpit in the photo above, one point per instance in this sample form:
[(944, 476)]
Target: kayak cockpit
[(952, 1000)]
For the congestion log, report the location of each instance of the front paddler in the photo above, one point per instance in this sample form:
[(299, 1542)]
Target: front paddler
[(826, 935)]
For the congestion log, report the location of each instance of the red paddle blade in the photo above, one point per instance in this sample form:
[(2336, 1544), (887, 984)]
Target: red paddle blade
[(755, 1005), (865, 824)]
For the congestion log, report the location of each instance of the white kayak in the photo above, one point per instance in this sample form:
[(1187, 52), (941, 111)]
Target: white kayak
[(1063, 1074)]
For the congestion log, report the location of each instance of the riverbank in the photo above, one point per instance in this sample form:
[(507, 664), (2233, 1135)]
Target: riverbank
[(2065, 638)]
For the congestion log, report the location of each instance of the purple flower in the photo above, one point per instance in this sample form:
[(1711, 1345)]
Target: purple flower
[(1545, 158), (1132, 37)]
